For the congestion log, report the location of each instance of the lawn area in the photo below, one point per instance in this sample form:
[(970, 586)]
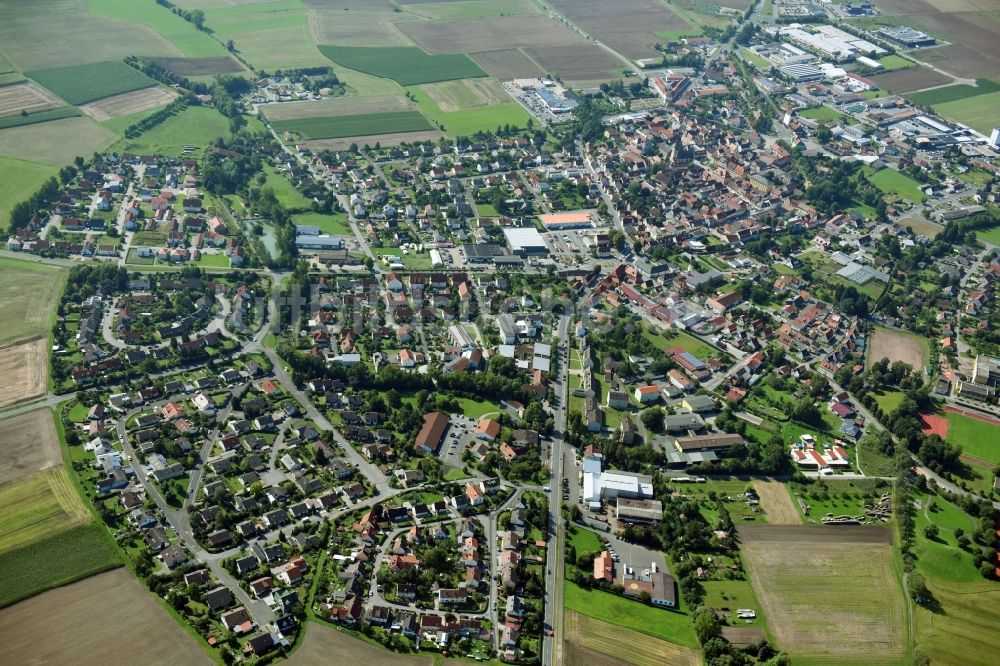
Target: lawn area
[(466, 122), (977, 438), (757, 61), (287, 195), (182, 34), (29, 292), (475, 409), (336, 225), (19, 179), (585, 541), (55, 560), (893, 182), (195, 125), (407, 65), (889, 400), (454, 474), (79, 84), (824, 113), (891, 63), (991, 236), (681, 340), (729, 595), (213, 261), (671, 626), (357, 125)]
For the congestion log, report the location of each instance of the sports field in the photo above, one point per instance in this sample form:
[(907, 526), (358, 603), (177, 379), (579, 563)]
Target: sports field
[(407, 65), (95, 621), (810, 578), (351, 126), (897, 345), (978, 438), (29, 292), (79, 84), (672, 626), (18, 179), (336, 225), (614, 644), (893, 182), (823, 113)]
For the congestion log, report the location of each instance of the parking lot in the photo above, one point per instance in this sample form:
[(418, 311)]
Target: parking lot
[(461, 435)]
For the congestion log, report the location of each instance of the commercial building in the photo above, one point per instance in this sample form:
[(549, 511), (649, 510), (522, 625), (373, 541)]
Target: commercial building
[(574, 220), (640, 512), (429, 438), (598, 485), (907, 36), (831, 42), (318, 242), (525, 241)]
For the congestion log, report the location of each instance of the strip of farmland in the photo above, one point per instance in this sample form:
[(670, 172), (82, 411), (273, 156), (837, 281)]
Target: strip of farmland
[(359, 125)]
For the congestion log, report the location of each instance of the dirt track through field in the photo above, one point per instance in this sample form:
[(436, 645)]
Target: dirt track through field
[(24, 366), (777, 503), (28, 444), (105, 619)]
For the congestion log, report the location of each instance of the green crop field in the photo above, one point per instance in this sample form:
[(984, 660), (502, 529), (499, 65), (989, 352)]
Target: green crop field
[(407, 65), (38, 117), (466, 122), (977, 438), (79, 84), (55, 560), (18, 180), (185, 36), (953, 93), (287, 195), (29, 292), (893, 182), (671, 626), (891, 63), (38, 506), (336, 225), (981, 112), (358, 125)]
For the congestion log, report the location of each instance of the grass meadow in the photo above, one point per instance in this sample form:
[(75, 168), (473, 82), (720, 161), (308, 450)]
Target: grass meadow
[(18, 180), (671, 626), (29, 292), (465, 122), (893, 182)]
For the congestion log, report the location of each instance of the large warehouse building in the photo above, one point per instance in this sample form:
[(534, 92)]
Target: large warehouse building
[(525, 241)]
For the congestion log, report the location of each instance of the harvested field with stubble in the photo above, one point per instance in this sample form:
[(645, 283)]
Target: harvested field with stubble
[(811, 577), (591, 641), (578, 64), (897, 346), (777, 503), (126, 103), (94, 621), (28, 444), (903, 81), (200, 66), (26, 97), (506, 64), (325, 645), (487, 34), (38, 506), (24, 366)]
